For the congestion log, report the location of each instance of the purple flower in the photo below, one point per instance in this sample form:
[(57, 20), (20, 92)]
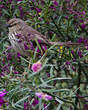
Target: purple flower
[(5, 67), (38, 10), (16, 72), (29, 34), (18, 55), (66, 17), (10, 1), (21, 11), (85, 107), (9, 56), (18, 35), (73, 68), (26, 106), (9, 48), (2, 6), (13, 6), (20, 8), (40, 19), (1, 101), (35, 102), (2, 74), (80, 54), (36, 66), (86, 47), (31, 46), (39, 41), (38, 50), (67, 63), (2, 94), (44, 47), (85, 41), (80, 40), (43, 96), (19, 0), (83, 26), (52, 7), (3, 61), (48, 74), (71, 108), (39, 94), (48, 97), (25, 46), (83, 12), (33, 0), (45, 106), (32, 8), (55, 2), (81, 21), (50, 33), (72, 51)]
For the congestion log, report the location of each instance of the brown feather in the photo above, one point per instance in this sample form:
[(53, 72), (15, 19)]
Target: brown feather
[(18, 26)]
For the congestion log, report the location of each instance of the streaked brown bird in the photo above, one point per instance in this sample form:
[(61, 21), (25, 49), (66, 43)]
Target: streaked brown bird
[(23, 37)]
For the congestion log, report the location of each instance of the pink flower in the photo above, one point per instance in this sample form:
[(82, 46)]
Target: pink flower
[(39, 94), (36, 66), (48, 97), (2, 94), (43, 96)]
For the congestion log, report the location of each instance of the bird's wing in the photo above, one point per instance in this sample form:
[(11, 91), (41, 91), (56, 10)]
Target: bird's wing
[(32, 34)]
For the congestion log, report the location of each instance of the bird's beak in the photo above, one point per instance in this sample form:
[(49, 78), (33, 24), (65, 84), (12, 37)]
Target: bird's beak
[(7, 25)]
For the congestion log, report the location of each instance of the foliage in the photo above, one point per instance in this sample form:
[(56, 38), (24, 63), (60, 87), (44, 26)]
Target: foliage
[(63, 73)]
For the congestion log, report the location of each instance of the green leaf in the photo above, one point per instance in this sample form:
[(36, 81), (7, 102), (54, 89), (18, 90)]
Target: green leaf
[(6, 12)]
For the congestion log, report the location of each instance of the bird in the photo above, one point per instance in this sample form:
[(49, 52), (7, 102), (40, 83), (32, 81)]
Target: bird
[(24, 38)]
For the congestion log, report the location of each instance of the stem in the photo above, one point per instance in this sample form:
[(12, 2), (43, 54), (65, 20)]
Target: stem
[(78, 85), (62, 99), (57, 27)]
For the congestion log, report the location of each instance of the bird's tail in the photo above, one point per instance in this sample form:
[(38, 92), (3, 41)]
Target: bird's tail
[(64, 43)]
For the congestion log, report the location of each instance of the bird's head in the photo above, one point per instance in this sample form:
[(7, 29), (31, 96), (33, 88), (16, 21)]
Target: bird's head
[(15, 23)]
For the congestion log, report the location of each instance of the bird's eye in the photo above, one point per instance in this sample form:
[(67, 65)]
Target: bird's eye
[(11, 25)]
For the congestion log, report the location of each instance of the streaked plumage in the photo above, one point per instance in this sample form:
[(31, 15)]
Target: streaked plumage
[(20, 33)]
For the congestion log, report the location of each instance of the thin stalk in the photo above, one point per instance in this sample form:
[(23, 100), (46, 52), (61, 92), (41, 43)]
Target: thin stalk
[(78, 85)]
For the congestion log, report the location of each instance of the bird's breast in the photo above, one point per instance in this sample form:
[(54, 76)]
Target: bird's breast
[(15, 43)]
